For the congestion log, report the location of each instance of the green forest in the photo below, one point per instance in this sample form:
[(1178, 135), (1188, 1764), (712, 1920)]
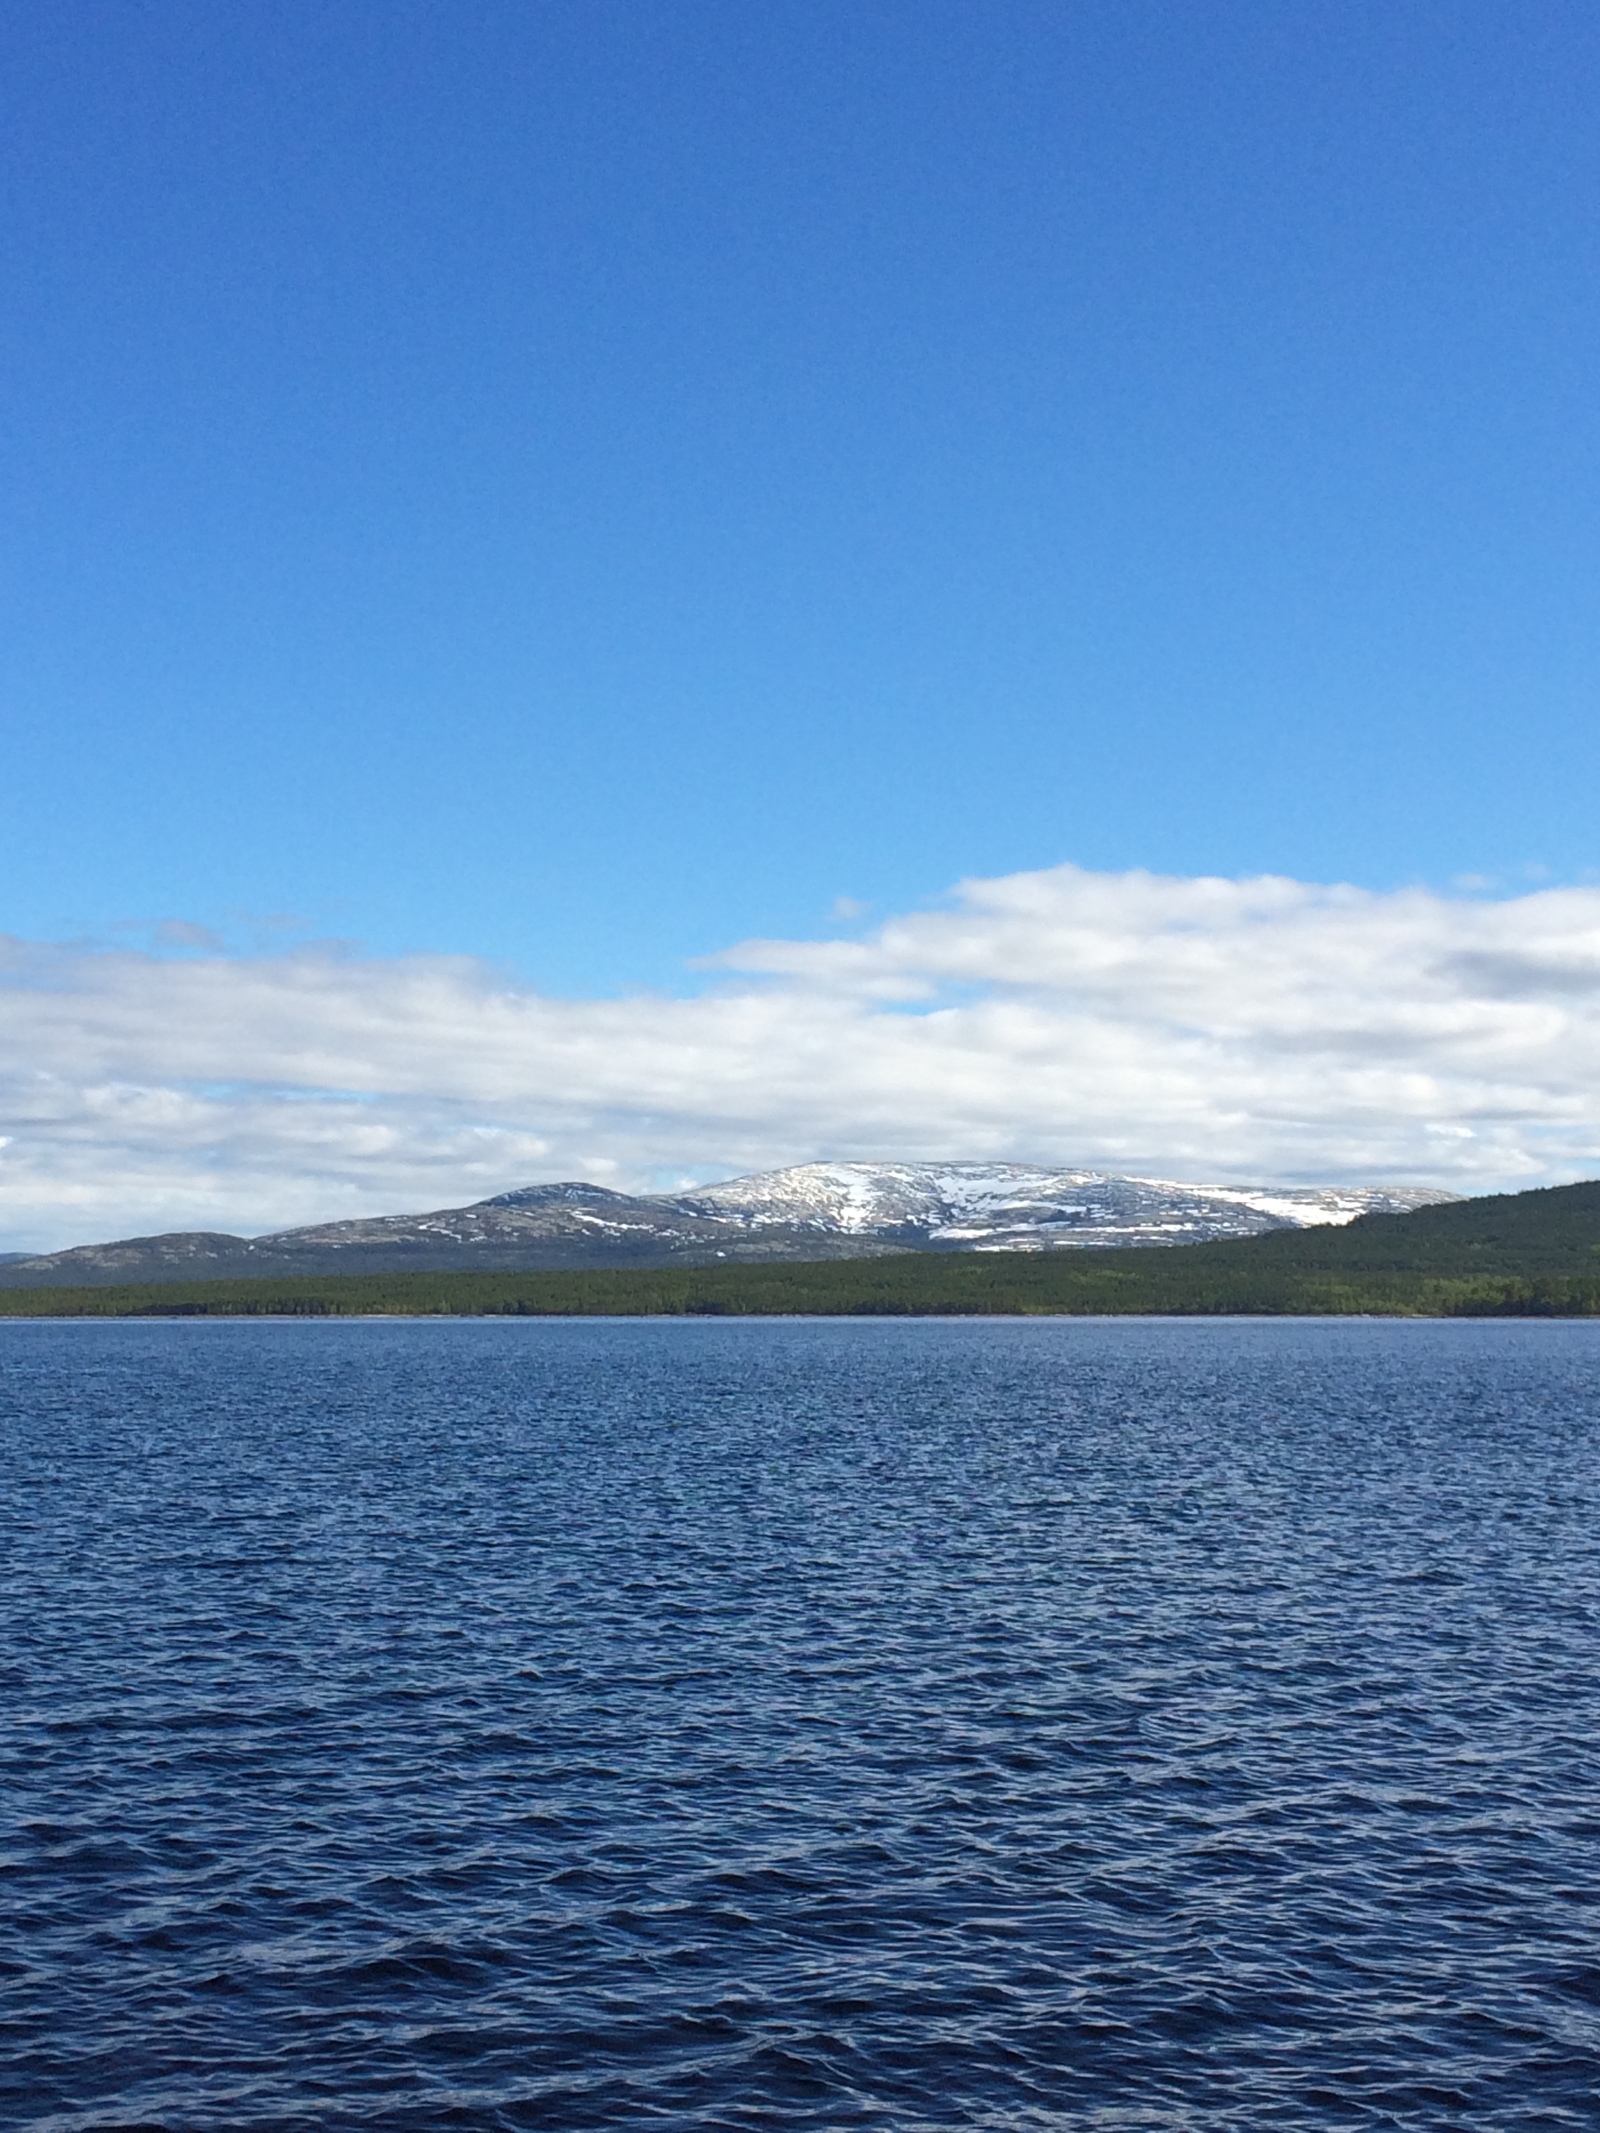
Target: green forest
[(1529, 1254)]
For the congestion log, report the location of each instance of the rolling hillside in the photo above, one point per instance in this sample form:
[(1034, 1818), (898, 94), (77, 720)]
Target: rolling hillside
[(812, 1211), (1521, 1254)]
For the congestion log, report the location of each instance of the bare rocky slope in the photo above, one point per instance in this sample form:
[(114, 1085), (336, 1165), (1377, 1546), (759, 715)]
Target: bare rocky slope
[(813, 1211)]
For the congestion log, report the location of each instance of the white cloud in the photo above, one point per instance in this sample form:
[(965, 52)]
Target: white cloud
[(1259, 1030)]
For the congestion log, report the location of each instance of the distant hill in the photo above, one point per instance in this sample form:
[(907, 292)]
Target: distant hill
[(812, 1211), (1017, 1207), (1554, 1230), (1519, 1254)]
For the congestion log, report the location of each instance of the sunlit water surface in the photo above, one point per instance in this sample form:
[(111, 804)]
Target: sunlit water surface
[(1051, 1724)]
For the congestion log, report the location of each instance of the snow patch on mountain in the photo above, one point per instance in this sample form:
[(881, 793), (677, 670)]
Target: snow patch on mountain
[(1018, 1206), (812, 1211)]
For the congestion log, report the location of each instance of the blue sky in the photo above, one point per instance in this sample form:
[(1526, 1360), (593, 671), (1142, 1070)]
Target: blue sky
[(578, 484), (641, 589)]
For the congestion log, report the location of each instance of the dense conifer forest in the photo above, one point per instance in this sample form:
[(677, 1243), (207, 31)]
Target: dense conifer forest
[(1531, 1254)]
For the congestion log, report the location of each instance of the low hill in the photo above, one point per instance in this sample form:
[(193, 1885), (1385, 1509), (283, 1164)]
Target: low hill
[(1554, 1230), (1533, 1253), (812, 1211)]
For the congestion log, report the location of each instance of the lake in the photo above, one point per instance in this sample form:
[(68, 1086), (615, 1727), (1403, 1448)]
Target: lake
[(1010, 1724)]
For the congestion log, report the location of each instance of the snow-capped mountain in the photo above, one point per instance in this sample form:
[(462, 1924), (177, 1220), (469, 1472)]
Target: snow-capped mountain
[(813, 1211), (1015, 1207)]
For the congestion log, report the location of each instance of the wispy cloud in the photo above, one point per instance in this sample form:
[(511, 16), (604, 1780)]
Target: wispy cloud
[(1204, 1028), (184, 933)]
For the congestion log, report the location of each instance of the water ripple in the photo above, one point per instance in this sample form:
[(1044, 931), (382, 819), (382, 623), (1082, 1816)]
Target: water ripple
[(1118, 1726)]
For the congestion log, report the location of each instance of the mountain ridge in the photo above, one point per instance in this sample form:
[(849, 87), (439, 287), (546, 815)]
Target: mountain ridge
[(1533, 1254), (804, 1212)]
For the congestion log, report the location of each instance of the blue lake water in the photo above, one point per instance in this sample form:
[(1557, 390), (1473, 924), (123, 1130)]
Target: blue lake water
[(691, 1725)]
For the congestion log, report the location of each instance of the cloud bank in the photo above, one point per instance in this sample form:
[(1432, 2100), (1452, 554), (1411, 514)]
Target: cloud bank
[(1257, 1030)]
